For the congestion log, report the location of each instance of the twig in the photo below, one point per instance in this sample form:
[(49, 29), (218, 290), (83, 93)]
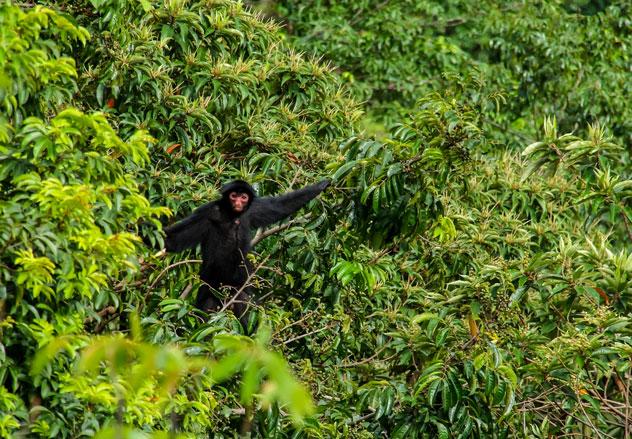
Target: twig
[(244, 286), (615, 407), (627, 223), (298, 337), (293, 180), (540, 396), (562, 409), (363, 418), (186, 291), (366, 360), (626, 420), (293, 323), (581, 406), (382, 253), (260, 235), (162, 273)]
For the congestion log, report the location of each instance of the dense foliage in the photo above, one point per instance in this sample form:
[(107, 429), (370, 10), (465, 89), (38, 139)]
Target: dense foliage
[(455, 280), (566, 57)]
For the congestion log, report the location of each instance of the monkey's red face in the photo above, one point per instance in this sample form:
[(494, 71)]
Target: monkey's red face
[(239, 201)]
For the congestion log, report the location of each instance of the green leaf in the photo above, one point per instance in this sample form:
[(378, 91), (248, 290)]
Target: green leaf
[(442, 431), (342, 171)]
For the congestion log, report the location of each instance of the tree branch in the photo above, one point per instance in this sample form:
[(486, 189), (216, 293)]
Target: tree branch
[(162, 273), (366, 360), (186, 291), (243, 287), (298, 337), (627, 223), (260, 235)]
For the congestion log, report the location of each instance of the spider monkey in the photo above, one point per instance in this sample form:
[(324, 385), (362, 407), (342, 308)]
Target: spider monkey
[(223, 229)]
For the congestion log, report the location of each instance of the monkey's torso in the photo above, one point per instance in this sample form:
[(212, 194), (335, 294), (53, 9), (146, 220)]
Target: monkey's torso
[(225, 247), (224, 237)]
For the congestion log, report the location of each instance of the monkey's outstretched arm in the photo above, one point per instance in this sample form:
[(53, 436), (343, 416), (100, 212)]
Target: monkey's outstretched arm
[(268, 210), (188, 232)]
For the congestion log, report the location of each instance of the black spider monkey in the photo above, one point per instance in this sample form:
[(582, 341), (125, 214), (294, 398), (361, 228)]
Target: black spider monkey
[(222, 227)]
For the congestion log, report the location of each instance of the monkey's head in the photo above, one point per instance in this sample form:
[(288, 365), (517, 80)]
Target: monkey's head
[(237, 196)]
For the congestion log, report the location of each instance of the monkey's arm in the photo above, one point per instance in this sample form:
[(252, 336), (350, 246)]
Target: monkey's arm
[(190, 231), (268, 210)]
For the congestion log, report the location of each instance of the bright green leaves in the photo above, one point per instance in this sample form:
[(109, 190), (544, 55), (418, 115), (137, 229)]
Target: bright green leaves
[(569, 150), (74, 171), (264, 373), (402, 183), (368, 270), (137, 362), (32, 74), (146, 380), (56, 141), (444, 229), (35, 273), (223, 97), (11, 409)]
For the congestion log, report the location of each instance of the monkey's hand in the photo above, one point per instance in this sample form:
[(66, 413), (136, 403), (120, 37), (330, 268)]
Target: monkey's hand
[(324, 184)]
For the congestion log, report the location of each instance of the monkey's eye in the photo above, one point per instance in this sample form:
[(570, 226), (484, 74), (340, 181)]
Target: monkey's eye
[(239, 196)]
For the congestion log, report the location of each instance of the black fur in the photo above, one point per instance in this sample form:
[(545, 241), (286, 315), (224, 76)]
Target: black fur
[(225, 238)]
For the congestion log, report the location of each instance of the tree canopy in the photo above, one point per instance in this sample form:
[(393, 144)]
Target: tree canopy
[(467, 274)]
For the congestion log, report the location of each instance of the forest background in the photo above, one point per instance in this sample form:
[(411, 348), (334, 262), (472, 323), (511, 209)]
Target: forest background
[(468, 274)]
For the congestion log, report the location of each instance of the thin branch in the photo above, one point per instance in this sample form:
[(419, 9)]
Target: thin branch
[(581, 406), (269, 293), (587, 423), (163, 272), (298, 337), (382, 253), (614, 407), (186, 291), (626, 420), (366, 360), (293, 323), (626, 221), (294, 179), (244, 286), (101, 326), (363, 418), (260, 235)]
